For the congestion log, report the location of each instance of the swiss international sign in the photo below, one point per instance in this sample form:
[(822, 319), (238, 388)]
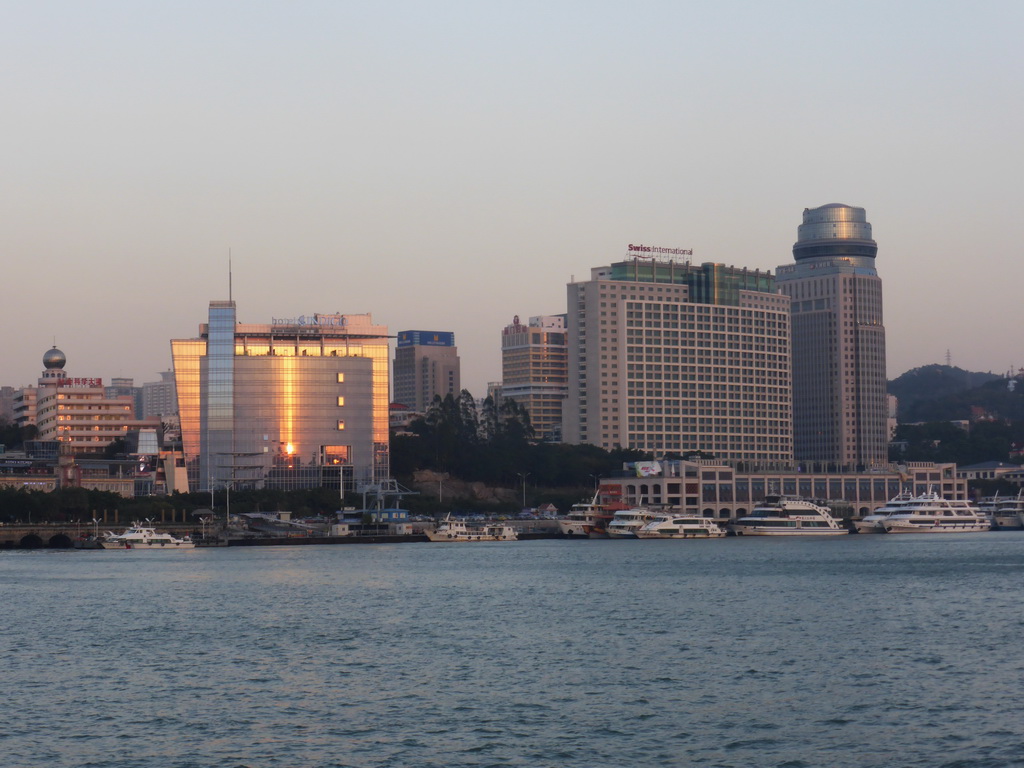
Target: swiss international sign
[(654, 250)]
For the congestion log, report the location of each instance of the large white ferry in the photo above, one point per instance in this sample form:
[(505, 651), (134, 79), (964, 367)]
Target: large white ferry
[(675, 525), (585, 520), (1005, 512), (458, 530), (787, 516), (930, 513), (626, 522), (873, 523), (145, 537)]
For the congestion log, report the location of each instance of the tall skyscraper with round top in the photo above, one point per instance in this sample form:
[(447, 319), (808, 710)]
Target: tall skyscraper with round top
[(839, 384)]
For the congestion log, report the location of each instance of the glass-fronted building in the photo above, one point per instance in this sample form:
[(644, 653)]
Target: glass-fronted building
[(296, 403)]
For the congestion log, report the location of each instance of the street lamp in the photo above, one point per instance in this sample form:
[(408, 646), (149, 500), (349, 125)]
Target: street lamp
[(523, 476)]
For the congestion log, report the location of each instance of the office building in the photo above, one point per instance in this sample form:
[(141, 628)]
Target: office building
[(159, 398), (535, 371), (78, 414), (669, 357), (7, 395), (125, 387), (840, 409), (294, 403), (426, 366)]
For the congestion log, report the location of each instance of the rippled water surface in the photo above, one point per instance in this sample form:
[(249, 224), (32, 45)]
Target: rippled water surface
[(854, 651)]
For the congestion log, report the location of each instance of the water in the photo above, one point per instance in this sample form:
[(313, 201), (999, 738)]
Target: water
[(851, 651)]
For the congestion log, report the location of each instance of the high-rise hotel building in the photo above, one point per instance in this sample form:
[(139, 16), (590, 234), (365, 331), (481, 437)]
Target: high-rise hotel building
[(426, 366), (669, 357), (839, 385), (296, 403), (535, 371)]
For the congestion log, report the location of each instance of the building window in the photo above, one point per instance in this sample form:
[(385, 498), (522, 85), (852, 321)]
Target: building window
[(341, 401), (341, 378), (341, 424)]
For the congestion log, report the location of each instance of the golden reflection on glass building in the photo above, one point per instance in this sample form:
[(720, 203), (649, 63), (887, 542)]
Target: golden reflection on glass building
[(297, 403)]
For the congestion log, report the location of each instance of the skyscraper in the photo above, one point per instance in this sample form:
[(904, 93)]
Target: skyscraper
[(665, 356), (839, 385), (534, 370), (426, 366)]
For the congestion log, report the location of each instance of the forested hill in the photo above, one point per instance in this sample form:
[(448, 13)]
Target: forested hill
[(946, 393)]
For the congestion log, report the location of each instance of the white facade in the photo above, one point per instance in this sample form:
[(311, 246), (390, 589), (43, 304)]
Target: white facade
[(667, 357)]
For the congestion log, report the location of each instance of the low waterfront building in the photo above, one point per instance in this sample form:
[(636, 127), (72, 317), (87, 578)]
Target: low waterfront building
[(723, 491)]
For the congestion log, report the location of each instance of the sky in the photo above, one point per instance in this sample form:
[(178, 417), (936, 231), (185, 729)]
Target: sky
[(449, 165)]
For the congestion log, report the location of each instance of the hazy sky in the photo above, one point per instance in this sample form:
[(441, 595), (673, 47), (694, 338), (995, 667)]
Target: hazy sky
[(448, 165)]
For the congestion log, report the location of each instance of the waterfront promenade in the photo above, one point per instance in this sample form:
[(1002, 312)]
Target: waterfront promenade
[(64, 535)]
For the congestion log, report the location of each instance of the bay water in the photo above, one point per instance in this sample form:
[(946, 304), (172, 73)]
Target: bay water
[(846, 651)]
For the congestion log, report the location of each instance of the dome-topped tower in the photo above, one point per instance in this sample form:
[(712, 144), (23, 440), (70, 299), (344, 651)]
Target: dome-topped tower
[(835, 230), (53, 361), (54, 358)]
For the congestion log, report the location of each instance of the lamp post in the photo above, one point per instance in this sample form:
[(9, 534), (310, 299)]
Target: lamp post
[(523, 476)]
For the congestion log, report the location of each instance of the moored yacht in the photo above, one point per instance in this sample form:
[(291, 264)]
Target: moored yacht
[(930, 513), (675, 525), (585, 519), (626, 522), (873, 523), (1009, 513), (787, 516), (145, 537)]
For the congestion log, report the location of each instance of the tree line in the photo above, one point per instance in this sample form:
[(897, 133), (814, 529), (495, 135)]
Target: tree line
[(495, 444)]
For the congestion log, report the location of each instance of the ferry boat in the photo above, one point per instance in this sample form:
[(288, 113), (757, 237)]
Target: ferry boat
[(873, 523), (458, 530), (787, 516), (626, 522), (586, 519), (930, 513), (1007, 513), (144, 537), (673, 525)]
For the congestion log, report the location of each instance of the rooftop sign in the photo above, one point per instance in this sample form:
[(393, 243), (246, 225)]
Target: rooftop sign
[(316, 320), (653, 250)]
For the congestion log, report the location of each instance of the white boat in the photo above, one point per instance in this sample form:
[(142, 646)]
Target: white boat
[(1009, 513), (584, 520), (626, 522), (675, 525), (787, 516), (873, 523), (145, 537), (930, 513), (458, 530)]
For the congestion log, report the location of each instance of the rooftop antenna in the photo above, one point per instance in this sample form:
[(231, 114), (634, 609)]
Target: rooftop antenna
[(230, 297)]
